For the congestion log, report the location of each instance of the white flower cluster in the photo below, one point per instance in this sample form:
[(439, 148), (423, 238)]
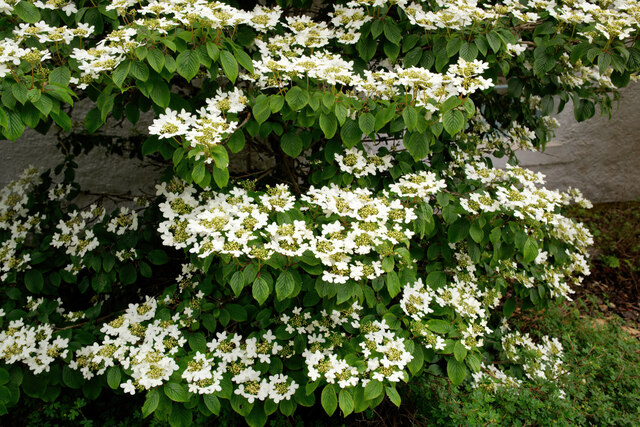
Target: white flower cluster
[(105, 56), (542, 360), (205, 129), (18, 221), (148, 347), (31, 345), (125, 220), (359, 164), (351, 223), (75, 234), (137, 341), (45, 33)]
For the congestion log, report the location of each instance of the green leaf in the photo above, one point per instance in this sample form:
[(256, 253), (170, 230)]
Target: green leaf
[(156, 59), (150, 403), (436, 279), (276, 102), (297, 98), (188, 64), (27, 12), (410, 117), (34, 281), (220, 156), (453, 121), (4, 120), (476, 232), (229, 65), (198, 173), (509, 307), (530, 250), (160, 94), (459, 351), (439, 326), (261, 109), (393, 395), (127, 274), (121, 72), (453, 46), (372, 390), (245, 60), (393, 284), (212, 403), (60, 76), (468, 51), (237, 282), (392, 31), (328, 124), (291, 144), (456, 371), (350, 133), (284, 285), (236, 141), (221, 176), (417, 144), (583, 109), (113, 377), (458, 231), (346, 402), (140, 71), (328, 399), (260, 290), (176, 392), (495, 42), (158, 257), (367, 123), (198, 342), (15, 127)]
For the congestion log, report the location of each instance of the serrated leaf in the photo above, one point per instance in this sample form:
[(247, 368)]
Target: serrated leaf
[(350, 133), (453, 121), (221, 176), (34, 281), (459, 351), (121, 72), (176, 392), (346, 402), (156, 59), (284, 285), (328, 124), (198, 173), (151, 403), (530, 250), (297, 98), (27, 12), (393, 395), (291, 144), (188, 64), (367, 123), (456, 371), (372, 390), (245, 60), (261, 109), (260, 290), (212, 403), (328, 399), (113, 377), (229, 65)]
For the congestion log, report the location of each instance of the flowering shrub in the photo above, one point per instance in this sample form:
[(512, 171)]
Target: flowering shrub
[(374, 240)]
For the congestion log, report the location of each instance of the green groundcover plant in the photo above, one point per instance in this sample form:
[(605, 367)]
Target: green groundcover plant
[(374, 239)]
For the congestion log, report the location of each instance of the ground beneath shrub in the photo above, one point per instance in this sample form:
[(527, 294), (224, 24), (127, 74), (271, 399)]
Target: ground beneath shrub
[(614, 283)]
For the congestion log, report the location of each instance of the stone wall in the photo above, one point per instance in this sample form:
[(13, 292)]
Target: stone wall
[(600, 157)]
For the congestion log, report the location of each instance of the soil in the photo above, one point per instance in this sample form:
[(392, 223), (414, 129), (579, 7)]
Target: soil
[(614, 283)]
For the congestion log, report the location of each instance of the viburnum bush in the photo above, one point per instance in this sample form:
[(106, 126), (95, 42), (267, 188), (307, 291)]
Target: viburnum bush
[(369, 240)]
